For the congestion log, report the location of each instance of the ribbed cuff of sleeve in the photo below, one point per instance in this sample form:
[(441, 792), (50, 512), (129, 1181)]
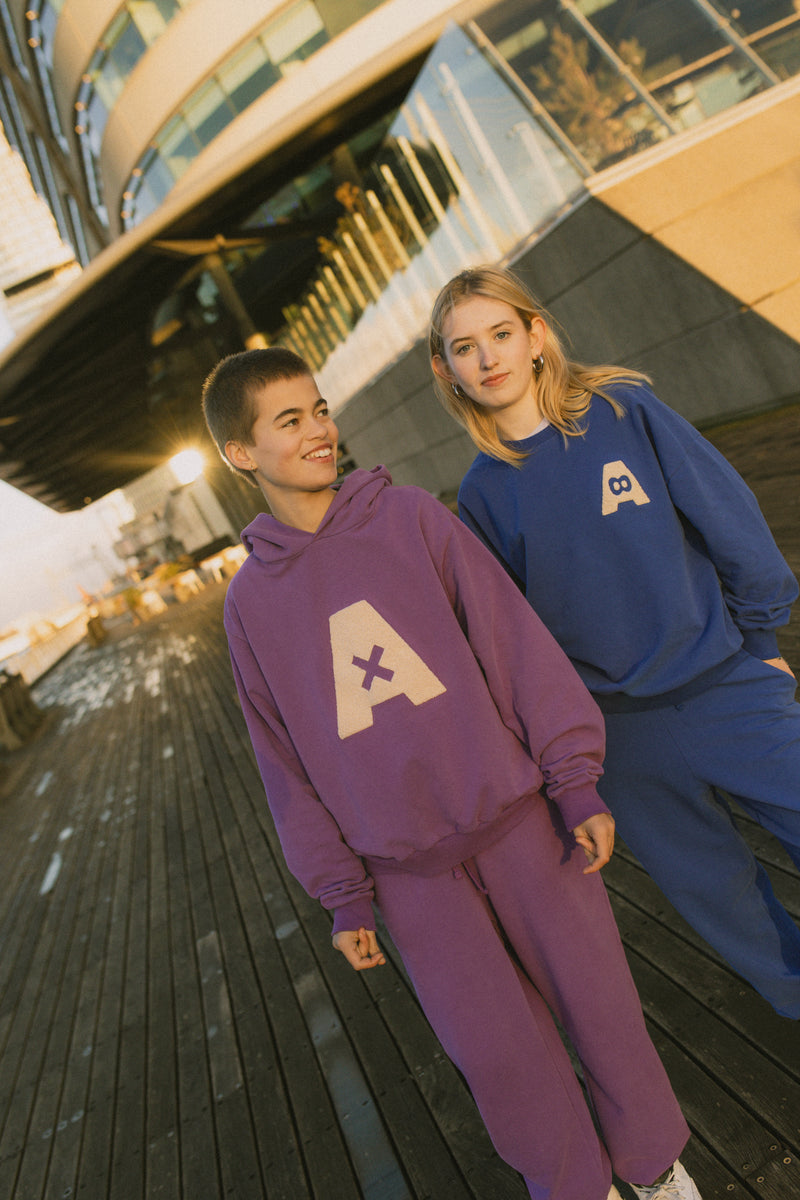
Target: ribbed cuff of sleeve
[(579, 804), (761, 643), (353, 916)]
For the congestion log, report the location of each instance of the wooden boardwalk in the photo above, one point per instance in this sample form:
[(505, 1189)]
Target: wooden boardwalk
[(173, 1021)]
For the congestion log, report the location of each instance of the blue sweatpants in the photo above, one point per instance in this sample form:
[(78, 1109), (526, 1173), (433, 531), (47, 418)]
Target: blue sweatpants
[(665, 772), (491, 948)]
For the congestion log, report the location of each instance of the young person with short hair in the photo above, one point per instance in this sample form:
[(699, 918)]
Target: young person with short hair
[(425, 745)]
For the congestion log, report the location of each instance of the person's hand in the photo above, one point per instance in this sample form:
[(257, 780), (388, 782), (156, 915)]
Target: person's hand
[(595, 836), (781, 664), (360, 948)]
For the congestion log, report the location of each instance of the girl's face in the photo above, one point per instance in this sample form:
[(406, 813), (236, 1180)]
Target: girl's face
[(489, 353)]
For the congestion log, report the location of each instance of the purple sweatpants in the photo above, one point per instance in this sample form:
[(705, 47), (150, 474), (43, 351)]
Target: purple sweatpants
[(489, 1009)]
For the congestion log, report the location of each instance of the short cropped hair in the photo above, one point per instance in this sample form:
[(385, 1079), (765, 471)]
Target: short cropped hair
[(230, 394)]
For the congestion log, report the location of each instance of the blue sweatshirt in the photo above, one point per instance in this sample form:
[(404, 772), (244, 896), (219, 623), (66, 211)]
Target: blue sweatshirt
[(639, 546), (374, 659)]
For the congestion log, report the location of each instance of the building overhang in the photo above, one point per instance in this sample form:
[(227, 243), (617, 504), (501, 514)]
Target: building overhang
[(76, 418)]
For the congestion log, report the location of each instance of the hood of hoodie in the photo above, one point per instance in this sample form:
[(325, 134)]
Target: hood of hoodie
[(270, 541)]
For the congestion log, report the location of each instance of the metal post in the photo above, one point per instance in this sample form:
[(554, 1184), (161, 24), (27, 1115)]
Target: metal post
[(602, 45), (349, 277), (729, 33), (338, 290), (332, 308), (435, 204), (463, 187), (388, 229), (531, 101), (525, 132), (215, 266), (490, 160), (372, 246), (363, 269)]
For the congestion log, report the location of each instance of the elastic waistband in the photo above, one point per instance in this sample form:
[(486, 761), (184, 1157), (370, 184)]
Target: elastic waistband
[(621, 702)]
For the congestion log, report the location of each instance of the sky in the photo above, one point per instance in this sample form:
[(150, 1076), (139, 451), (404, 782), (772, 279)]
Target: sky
[(46, 557)]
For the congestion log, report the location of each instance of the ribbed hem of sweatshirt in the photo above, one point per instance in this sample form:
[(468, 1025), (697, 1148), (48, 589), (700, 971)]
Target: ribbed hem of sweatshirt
[(455, 848), (620, 702)]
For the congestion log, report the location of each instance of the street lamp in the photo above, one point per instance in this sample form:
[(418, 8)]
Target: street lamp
[(187, 465)]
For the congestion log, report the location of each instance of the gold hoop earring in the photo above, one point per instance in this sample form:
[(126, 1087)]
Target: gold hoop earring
[(538, 365)]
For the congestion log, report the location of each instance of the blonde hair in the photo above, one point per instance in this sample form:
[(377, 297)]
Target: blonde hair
[(564, 389)]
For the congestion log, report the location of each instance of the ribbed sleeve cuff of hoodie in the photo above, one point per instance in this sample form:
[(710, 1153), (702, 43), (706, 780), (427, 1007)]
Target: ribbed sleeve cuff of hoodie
[(579, 804), (761, 643), (353, 916)]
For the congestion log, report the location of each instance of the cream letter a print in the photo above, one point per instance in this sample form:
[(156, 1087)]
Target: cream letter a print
[(620, 485), (371, 664)]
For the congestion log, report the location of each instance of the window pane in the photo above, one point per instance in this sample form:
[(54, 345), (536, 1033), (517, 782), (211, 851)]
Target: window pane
[(127, 50), (156, 178), (677, 50), (178, 147), (151, 17), (301, 25), (751, 15), (208, 113), (779, 44), (584, 93), (248, 76)]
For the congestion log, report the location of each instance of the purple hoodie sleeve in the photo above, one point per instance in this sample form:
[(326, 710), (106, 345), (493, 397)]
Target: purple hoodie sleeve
[(538, 692), (311, 841)]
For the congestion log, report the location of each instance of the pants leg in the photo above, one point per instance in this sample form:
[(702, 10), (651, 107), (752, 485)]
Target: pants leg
[(489, 1007), (561, 927), (664, 771), (499, 1034)]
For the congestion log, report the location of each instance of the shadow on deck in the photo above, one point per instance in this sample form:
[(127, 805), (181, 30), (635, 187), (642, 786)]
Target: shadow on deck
[(174, 1022)]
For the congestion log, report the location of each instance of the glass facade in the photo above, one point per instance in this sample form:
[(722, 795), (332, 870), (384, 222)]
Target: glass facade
[(509, 116), (284, 43), (137, 25)]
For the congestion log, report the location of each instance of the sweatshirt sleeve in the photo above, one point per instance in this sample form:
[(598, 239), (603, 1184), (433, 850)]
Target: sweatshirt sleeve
[(468, 508), (311, 841), (537, 691), (757, 584)]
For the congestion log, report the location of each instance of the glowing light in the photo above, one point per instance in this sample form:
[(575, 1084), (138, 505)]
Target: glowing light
[(187, 465)]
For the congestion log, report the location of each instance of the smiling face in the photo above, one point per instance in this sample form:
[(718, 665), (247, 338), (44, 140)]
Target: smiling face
[(488, 353), (292, 450)]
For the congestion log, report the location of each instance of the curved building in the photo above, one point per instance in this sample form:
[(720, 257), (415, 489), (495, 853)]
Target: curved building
[(309, 172)]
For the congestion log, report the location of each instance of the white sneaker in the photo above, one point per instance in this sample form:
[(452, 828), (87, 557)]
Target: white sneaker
[(677, 1186), (614, 1194)]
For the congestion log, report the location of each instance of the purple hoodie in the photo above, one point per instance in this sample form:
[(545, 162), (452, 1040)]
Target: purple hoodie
[(404, 702)]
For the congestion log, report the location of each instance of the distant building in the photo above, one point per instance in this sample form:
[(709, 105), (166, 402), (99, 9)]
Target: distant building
[(35, 263), (172, 519), (308, 173)]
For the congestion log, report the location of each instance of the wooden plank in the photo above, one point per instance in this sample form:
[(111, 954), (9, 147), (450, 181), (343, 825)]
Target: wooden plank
[(62, 1175), (162, 1155), (196, 1135), (194, 854), (718, 1118), (95, 1171), (651, 921), (37, 1043), (325, 1158)]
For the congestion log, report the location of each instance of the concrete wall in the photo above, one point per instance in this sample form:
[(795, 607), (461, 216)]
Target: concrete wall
[(621, 296)]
